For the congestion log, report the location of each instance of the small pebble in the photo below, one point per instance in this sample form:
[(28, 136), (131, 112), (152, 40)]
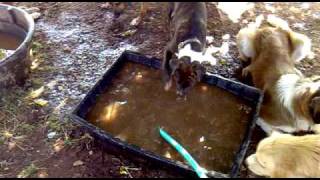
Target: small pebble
[(51, 135), (78, 163)]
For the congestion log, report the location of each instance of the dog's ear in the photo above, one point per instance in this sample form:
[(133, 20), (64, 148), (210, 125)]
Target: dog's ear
[(245, 43), (301, 46), (314, 107)]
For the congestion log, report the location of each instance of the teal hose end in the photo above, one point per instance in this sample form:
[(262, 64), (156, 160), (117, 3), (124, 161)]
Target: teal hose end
[(201, 172)]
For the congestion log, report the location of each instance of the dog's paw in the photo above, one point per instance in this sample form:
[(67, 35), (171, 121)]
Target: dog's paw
[(168, 85), (245, 72)]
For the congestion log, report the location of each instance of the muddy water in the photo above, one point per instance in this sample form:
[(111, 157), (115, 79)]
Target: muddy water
[(8, 44), (210, 123)]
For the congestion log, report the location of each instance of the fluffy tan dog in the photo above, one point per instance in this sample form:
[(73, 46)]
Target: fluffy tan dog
[(287, 156)]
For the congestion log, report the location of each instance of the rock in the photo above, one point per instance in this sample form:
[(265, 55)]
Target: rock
[(11, 145), (226, 37), (36, 15), (245, 21), (51, 135), (201, 139), (43, 174), (129, 33), (67, 49), (105, 5), (294, 9), (33, 9), (78, 163)]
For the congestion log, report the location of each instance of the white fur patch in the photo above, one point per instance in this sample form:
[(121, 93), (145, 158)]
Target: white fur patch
[(275, 133), (287, 129), (267, 128), (196, 56), (286, 88), (303, 125), (313, 87), (209, 39), (316, 128)]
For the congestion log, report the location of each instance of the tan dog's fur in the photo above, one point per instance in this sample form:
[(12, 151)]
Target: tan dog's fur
[(273, 51), (287, 156)]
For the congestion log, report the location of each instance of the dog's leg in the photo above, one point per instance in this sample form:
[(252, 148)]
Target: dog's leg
[(246, 71), (166, 68)]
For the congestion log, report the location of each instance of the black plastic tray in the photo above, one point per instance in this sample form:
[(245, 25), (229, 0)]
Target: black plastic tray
[(250, 94)]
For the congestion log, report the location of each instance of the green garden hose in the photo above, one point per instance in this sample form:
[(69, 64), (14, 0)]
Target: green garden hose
[(199, 170)]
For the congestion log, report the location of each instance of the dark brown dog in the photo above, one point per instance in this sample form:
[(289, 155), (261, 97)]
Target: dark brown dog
[(188, 26)]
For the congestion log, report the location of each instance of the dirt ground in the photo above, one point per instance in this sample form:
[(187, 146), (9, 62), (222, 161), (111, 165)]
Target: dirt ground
[(73, 45)]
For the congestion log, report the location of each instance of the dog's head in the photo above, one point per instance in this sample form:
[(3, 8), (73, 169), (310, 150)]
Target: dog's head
[(264, 161), (248, 41), (185, 73)]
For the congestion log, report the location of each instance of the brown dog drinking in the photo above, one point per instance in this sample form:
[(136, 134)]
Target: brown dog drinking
[(188, 26)]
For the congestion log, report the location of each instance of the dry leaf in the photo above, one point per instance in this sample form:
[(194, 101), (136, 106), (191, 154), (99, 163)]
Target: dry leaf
[(78, 163), (41, 102), (123, 170)]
